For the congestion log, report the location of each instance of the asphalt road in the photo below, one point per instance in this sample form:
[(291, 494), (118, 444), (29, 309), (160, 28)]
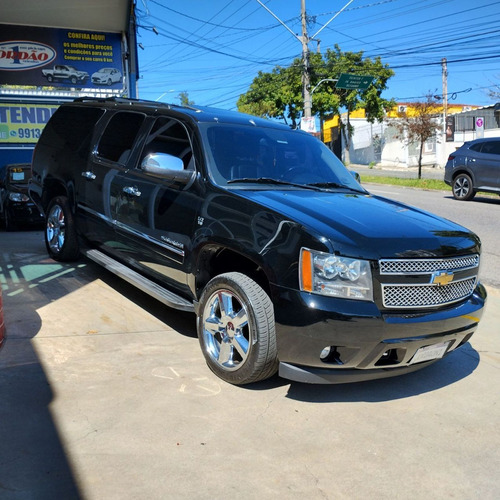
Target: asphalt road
[(480, 215)]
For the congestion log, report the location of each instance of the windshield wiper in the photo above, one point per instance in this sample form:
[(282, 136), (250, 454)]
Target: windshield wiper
[(270, 180), (328, 185)]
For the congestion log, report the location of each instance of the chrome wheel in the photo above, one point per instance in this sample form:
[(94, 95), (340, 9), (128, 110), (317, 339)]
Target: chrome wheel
[(226, 330), (236, 329), (60, 233), (55, 229)]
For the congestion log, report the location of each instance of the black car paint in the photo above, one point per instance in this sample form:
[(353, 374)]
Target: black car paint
[(187, 232), (17, 213)]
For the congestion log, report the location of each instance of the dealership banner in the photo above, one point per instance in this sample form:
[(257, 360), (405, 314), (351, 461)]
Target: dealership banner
[(60, 57), (23, 123)]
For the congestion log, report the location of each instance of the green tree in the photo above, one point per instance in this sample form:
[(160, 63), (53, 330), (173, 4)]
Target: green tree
[(274, 95), (418, 124), (184, 99), (278, 94)]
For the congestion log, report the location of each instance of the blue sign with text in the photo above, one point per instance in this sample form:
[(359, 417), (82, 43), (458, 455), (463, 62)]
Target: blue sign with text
[(60, 57)]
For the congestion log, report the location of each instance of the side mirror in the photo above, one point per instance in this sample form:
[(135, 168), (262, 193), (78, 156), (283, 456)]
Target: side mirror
[(355, 175), (161, 163), (166, 166)]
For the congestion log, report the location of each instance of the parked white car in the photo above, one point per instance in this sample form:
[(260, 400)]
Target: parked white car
[(107, 76)]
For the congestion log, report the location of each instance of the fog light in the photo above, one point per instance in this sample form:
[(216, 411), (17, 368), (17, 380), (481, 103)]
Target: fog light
[(325, 352)]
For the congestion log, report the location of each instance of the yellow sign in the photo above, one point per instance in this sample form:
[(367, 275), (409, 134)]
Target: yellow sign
[(23, 123)]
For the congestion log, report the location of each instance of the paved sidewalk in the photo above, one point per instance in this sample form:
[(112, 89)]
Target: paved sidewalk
[(104, 394), (401, 172)]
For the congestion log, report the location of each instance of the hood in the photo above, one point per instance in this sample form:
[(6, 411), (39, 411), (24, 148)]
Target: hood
[(18, 188), (367, 226)]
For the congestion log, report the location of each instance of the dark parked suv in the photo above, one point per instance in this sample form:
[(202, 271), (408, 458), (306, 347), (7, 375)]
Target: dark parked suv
[(16, 207), (473, 167), (287, 262)]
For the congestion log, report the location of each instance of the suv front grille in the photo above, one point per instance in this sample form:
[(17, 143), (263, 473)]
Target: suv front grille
[(396, 266), (427, 295), (423, 291)]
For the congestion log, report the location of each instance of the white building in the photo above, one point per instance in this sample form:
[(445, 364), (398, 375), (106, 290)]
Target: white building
[(376, 144)]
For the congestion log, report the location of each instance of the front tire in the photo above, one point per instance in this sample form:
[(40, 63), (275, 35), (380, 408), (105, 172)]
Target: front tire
[(462, 188), (60, 232), (236, 329)]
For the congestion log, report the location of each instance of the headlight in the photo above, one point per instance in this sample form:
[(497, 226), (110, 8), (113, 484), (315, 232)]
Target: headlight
[(335, 276), (18, 197)]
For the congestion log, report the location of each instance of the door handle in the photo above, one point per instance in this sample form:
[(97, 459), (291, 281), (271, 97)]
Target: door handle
[(133, 191), (89, 175)]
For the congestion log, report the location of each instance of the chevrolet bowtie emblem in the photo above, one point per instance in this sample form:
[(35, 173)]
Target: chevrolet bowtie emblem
[(441, 278)]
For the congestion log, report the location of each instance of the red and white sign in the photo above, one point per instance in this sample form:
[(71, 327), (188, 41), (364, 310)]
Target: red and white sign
[(308, 125), (20, 55)]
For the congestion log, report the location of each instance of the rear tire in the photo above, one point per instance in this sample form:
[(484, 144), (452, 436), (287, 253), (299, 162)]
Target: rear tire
[(236, 329), (60, 232), (462, 187)]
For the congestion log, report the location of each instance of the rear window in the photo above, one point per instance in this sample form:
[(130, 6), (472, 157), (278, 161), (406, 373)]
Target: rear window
[(119, 136), (19, 175), (71, 128)]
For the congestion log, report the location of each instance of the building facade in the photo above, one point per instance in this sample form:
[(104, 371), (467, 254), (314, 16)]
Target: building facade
[(377, 144)]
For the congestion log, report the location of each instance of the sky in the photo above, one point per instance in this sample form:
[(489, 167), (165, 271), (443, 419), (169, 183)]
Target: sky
[(213, 49)]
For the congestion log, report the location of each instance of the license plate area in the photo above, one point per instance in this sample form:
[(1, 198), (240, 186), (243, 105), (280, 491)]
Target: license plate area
[(430, 352)]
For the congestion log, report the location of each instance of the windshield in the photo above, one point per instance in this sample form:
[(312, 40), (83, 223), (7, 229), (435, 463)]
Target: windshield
[(19, 175), (239, 155)]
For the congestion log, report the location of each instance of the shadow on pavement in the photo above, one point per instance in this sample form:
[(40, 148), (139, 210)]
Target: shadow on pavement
[(456, 366), (489, 200), (33, 462)]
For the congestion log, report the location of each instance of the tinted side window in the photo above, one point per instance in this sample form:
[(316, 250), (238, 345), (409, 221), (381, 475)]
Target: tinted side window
[(492, 148), (71, 127), (119, 136), (476, 147), (169, 136)]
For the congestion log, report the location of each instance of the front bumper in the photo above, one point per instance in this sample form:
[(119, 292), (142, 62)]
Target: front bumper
[(364, 343), (24, 213)]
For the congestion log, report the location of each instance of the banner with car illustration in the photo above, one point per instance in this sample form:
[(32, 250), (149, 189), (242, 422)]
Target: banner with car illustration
[(60, 57)]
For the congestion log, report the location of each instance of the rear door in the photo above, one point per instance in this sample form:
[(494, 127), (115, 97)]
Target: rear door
[(114, 149), (155, 214), (486, 165)]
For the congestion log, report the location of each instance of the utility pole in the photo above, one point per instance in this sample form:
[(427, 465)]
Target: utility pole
[(445, 92), (306, 80), (305, 39)]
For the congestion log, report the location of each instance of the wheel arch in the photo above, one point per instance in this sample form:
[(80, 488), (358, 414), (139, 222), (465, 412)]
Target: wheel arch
[(214, 260), (53, 188), (463, 170)]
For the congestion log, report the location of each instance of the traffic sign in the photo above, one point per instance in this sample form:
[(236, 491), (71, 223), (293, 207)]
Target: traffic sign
[(354, 82)]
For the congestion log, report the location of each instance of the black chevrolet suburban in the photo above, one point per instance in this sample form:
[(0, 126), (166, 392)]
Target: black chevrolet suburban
[(289, 264)]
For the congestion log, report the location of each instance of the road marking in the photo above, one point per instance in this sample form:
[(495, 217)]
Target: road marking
[(197, 386)]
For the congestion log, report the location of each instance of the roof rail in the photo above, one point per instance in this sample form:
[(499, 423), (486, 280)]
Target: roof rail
[(131, 100), (105, 99)]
